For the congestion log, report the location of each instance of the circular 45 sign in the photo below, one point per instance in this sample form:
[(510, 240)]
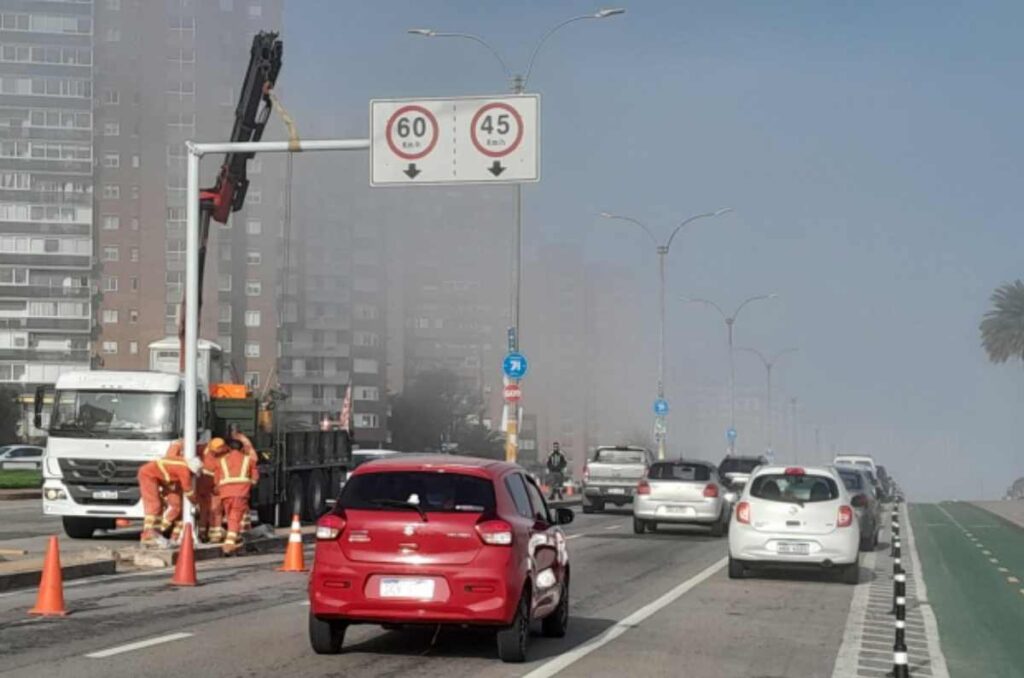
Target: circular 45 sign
[(497, 129)]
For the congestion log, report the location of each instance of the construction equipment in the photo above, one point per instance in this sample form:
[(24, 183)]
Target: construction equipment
[(251, 115)]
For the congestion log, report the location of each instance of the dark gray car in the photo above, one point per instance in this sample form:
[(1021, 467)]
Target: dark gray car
[(866, 504)]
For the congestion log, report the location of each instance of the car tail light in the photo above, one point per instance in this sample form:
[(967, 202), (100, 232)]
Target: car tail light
[(643, 487), (330, 527), (495, 533), (859, 501), (845, 516), (794, 471), (743, 512), (710, 491), (586, 473)]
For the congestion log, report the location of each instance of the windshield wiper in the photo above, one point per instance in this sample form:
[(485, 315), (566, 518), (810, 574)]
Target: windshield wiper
[(397, 503)]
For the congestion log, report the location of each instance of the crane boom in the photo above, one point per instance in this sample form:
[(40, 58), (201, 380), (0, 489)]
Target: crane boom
[(251, 116)]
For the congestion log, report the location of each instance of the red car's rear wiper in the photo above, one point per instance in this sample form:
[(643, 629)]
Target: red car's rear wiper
[(397, 503)]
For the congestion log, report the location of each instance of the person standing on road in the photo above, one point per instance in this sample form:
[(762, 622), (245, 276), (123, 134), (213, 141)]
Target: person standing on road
[(211, 513), (162, 482), (556, 470), (236, 434), (235, 476)]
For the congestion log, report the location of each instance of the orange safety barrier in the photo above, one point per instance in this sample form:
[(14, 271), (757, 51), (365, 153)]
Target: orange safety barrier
[(294, 559), (50, 600)]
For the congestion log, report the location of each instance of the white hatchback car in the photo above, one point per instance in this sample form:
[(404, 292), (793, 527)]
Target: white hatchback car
[(795, 517)]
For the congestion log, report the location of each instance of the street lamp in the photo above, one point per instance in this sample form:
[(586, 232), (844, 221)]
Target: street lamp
[(730, 321), (662, 250), (518, 82), (769, 364)]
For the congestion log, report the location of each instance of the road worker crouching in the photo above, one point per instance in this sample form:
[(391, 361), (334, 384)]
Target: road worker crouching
[(162, 484), (235, 475)]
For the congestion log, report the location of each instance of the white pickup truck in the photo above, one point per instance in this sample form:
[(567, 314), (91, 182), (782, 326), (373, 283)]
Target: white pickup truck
[(612, 474)]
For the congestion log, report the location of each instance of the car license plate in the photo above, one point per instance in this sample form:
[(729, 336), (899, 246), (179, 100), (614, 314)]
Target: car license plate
[(104, 494), (616, 490), (680, 510), (406, 588), (794, 548)]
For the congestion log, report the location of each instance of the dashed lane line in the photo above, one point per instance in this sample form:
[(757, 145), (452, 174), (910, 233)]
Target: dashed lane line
[(139, 645), (565, 660), (612, 527)]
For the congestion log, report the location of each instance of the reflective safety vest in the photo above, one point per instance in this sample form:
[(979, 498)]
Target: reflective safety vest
[(239, 483)]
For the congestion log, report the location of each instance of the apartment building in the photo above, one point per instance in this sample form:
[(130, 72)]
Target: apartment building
[(167, 72), (46, 190)]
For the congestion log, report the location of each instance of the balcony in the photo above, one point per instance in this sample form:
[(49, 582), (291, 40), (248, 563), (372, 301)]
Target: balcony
[(71, 355), (313, 351), (46, 260), (61, 324), (44, 292), (314, 377)]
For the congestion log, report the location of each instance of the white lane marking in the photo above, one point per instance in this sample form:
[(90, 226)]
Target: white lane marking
[(931, 626), (565, 660), (849, 651), (142, 644), (986, 552), (1013, 580), (612, 527), (303, 603), (573, 536), (1003, 570)]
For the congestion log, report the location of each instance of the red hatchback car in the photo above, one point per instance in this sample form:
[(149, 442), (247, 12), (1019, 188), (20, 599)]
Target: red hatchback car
[(437, 539)]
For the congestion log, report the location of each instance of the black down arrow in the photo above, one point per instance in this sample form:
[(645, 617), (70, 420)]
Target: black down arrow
[(411, 171), (496, 169)]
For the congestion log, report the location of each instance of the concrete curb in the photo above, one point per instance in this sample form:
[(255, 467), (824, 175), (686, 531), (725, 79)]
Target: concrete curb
[(10, 581), (14, 495)]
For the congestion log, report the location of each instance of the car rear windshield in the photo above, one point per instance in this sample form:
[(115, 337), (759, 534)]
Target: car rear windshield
[(795, 489), (429, 490), (620, 456), (676, 471), (738, 465), (853, 481)]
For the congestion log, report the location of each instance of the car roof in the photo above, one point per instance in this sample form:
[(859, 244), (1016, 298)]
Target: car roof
[(808, 470), (440, 463), (685, 461), (741, 457)]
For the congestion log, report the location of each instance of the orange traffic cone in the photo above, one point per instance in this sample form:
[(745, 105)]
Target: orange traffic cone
[(50, 601), (294, 559), (185, 568)]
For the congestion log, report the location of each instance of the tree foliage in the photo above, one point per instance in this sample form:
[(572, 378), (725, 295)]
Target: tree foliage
[(10, 413), (1002, 329), (436, 406)]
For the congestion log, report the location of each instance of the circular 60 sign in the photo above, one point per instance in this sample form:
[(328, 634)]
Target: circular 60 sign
[(497, 129), (411, 132)]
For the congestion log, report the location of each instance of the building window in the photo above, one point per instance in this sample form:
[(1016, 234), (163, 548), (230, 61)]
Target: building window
[(111, 160), (365, 312), (365, 366), (225, 344), (252, 380), (112, 35), (253, 288), (365, 420), (111, 222), (255, 11), (254, 227), (360, 338), (110, 347), (133, 347), (111, 253), (111, 129), (252, 349), (254, 197), (135, 220), (224, 282), (134, 284), (253, 258), (109, 316), (111, 191), (111, 97), (227, 5), (113, 5), (133, 316), (136, 161), (133, 254), (366, 393), (253, 318)]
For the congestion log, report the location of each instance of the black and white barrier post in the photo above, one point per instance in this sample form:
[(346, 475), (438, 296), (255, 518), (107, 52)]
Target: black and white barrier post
[(900, 668)]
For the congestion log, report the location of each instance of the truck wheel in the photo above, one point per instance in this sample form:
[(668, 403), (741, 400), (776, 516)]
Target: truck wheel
[(295, 502), (316, 495), (81, 528)]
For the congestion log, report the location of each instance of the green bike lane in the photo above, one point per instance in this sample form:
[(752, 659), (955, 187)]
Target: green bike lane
[(973, 565)]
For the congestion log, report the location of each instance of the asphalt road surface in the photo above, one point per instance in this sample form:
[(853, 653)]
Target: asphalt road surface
[(651, 605), (23, 526)]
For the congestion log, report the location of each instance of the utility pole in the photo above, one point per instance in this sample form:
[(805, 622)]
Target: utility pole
[(769, 366), (796, 449)]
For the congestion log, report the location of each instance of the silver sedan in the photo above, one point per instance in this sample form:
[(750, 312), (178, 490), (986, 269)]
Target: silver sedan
[(681, 492)]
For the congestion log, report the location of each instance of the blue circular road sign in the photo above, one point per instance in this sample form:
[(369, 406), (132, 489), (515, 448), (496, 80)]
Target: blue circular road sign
[(731, 434), (661, 407), (514, 366)]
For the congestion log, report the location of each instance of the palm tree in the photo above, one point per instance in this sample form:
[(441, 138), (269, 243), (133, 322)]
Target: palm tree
[(1002, 329)]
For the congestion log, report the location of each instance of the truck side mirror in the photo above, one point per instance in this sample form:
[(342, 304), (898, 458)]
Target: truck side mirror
[(37, 419)]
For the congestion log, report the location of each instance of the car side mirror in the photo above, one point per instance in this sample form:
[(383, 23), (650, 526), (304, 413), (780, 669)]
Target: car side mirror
[(859, 501), (564, 516), (731, 497)]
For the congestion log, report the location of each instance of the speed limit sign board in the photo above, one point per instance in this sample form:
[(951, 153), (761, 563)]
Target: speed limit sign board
[(455, 140)]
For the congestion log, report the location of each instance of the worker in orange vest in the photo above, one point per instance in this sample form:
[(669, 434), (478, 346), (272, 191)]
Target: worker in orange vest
[(235, 475), (162, 482), (211, 513), (236, 434)]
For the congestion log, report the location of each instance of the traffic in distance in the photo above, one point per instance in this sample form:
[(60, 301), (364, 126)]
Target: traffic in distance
[(525, 339)]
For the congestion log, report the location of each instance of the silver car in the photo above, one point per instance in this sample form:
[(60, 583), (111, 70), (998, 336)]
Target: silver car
[(681, 493)]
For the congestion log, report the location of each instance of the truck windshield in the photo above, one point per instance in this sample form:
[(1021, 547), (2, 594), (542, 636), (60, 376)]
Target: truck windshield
[(115, 414)]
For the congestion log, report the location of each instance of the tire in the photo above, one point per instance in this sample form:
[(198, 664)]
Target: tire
[(865, 544), (719, 527), (295, 501), (513, 641), (652, 526), (639, 526), (736, 569), (598, 506), (587, 508), (316, 495), (80, 528), (326, 636), (556, 624), (850, 574)]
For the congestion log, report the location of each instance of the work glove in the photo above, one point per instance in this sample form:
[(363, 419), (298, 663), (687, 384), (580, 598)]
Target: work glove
[(195, 465)]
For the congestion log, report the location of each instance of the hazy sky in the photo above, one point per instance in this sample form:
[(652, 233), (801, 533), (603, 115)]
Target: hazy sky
[(871, 151)]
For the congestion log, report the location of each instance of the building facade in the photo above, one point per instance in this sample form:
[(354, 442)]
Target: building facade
[(46, 190)]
